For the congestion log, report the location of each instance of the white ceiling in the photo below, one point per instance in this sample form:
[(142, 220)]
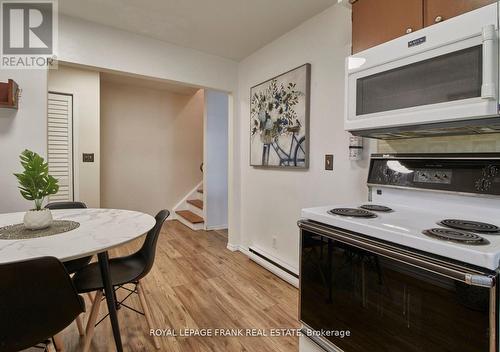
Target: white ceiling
[(228, 28)]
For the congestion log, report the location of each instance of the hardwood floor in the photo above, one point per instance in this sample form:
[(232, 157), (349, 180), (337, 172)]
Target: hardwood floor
[(197, 283)]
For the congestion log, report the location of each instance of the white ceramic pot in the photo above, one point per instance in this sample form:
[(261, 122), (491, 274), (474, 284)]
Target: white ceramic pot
[(37, 219)]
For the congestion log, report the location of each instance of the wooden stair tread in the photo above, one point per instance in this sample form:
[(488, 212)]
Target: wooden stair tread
[(196, 202), (190, 216)]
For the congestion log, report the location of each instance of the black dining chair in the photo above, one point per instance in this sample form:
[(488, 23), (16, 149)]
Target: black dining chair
[(72, 266), (123, 270), (37, 301)]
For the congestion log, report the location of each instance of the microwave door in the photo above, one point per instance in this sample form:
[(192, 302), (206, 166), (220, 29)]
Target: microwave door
[(453, 82)]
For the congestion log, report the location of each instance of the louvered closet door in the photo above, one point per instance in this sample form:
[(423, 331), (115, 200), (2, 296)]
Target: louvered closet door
[(60, 144)]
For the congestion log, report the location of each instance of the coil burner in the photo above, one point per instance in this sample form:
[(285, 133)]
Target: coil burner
[(474, 226), (456, 236), (375, 207), (353, 212)]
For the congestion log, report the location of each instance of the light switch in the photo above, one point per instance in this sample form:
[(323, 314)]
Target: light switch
[(329, 162), (88, 157)]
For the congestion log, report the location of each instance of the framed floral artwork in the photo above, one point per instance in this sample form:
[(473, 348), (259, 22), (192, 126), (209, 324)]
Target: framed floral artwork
[(279, 120)]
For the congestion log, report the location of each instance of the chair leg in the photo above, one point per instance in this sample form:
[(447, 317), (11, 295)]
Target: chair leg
[(145, 308), (50, 347), (58, 342), (94, 312), (89, 295), (79, 325)]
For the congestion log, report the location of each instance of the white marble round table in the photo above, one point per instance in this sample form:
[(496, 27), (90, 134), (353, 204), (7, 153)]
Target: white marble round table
[(100, 230)]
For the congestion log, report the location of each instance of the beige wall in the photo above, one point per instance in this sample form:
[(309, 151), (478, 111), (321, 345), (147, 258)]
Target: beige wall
[(25, 128), (151, 146), (454, 144), (84, 85), (271, 200)]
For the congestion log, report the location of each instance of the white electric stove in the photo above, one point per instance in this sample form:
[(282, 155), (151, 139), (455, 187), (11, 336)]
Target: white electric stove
[(429, 235), (413, 211)]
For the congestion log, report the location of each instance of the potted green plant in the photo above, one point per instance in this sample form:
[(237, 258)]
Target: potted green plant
[(35, 184)]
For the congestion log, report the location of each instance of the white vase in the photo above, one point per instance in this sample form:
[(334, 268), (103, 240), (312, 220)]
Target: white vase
[(37, 219)]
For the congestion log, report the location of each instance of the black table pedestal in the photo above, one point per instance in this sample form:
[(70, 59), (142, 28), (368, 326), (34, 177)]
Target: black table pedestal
[(110, 298)]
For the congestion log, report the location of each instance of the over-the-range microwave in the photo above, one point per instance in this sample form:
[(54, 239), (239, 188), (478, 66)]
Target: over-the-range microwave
[(441, 80)]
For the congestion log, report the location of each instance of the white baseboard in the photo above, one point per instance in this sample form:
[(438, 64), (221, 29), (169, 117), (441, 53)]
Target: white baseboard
[(217, 227), (275, 259), (232, 247), (292, 280)]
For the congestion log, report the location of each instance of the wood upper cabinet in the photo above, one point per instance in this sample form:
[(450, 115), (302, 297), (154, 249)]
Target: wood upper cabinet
[(436, 11), (378, 21)]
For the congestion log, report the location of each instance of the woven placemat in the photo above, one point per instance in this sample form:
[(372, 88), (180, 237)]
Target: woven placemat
[(19, 232)]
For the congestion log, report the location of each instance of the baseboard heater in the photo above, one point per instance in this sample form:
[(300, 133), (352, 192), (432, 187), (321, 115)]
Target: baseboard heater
[(272, 262)]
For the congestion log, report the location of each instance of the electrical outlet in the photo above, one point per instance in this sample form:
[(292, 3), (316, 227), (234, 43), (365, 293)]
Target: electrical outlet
[(275, 243), (329, 162)]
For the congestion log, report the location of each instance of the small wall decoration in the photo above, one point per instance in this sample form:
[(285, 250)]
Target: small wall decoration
[(279, 120)]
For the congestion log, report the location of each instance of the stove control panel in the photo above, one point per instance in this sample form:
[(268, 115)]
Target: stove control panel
[(465, 173), (432, 176)]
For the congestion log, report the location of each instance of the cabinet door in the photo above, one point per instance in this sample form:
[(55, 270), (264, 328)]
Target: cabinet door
[(436, 11), (378, 21)]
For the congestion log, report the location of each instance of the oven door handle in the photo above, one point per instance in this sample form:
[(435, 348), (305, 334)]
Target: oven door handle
[(488, 88), (452, 271)]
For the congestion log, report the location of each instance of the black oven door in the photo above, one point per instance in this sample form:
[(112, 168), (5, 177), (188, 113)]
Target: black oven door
[(361, 295)]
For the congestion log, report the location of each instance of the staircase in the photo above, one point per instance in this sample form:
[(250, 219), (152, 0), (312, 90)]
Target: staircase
[(190, 210)]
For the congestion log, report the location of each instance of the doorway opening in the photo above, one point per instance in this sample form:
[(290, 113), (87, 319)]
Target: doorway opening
[(138, 142)]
